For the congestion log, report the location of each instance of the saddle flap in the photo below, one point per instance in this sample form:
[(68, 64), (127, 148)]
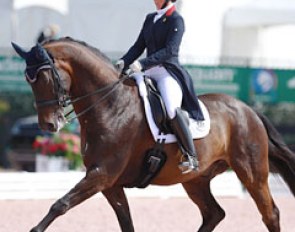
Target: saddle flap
[(157, 106)]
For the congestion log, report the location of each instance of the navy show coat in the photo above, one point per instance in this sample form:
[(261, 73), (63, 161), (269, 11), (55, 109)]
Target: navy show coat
[(162, 41)]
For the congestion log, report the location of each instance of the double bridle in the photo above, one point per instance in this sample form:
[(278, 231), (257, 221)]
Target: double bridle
[(62, 97)]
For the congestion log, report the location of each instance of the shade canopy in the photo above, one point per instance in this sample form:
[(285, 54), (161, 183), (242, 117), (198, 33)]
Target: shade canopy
[(61, 6), (261, 13)]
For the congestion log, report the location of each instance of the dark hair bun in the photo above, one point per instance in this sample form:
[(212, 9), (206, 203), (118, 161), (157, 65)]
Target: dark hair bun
[(173, 0)]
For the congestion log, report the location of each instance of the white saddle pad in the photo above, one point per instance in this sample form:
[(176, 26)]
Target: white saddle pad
[(199, 129)]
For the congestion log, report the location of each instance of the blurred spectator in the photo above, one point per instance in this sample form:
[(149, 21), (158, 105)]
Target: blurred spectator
[(49, 32)]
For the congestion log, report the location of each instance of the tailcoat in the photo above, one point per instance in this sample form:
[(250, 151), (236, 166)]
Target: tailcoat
[(162, 40)]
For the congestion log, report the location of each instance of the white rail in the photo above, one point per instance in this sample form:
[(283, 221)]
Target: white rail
[(52, 185)]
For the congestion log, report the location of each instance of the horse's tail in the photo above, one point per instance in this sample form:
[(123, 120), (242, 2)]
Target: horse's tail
[(281, 158)]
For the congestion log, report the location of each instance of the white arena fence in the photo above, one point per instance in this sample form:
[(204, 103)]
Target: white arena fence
[(53, 185)]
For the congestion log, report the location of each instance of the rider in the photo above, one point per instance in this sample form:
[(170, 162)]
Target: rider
[(161, 35)]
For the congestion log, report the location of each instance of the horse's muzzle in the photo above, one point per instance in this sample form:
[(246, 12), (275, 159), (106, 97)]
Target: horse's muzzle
[(52, 124)]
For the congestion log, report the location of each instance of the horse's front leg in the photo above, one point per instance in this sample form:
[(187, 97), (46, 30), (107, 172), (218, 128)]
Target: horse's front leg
[(95, 180), (117, 199)]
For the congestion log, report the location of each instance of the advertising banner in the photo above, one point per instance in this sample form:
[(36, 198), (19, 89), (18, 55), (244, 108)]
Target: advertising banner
[(12, 75), (247, 84), (227, 80)]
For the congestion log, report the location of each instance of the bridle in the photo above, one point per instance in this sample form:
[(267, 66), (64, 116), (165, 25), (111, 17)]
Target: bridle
[(62, 98), (61, 95)]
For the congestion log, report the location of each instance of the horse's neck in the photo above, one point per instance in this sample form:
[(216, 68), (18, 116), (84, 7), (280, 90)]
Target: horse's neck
[(108, 105), (87, 69), (92, 73)]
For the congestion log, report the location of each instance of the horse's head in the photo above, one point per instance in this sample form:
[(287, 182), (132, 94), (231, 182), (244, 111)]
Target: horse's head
[(49, 89)]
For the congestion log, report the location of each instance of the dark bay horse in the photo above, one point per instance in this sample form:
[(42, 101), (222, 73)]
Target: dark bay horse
[(115, 136)]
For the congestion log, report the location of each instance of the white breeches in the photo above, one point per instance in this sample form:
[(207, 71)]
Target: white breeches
[(169, 89)]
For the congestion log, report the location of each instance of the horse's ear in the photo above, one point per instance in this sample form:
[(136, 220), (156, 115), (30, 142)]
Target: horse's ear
[(41, 50), (39, 47), (22, 53)]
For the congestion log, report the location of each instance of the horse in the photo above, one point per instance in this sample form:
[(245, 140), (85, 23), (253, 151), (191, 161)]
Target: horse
[(115, 136)]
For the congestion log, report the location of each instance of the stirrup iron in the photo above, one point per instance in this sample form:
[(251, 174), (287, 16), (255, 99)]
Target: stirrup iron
[(189, 164)]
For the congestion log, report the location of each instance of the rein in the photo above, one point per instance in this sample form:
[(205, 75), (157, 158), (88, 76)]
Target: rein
[(112, 88)]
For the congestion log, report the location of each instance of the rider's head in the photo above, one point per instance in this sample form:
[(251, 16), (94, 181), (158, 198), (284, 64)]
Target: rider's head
[(160, 4)]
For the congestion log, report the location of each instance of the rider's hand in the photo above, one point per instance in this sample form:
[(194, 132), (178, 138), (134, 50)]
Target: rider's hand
[(120, 65), (135, 66)]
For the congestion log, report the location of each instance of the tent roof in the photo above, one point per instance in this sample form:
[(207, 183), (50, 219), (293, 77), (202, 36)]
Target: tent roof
[(261, 13), (58, 5)]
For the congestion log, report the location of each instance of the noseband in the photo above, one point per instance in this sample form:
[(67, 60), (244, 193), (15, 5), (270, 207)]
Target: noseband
[(61, 95)]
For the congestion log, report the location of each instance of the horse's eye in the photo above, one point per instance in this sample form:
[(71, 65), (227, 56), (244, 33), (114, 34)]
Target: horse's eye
[(31, 78)]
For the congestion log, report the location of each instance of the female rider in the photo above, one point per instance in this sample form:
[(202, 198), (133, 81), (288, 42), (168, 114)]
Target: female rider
[(161, 36)]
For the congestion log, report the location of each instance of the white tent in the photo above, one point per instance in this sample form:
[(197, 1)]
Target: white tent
[(103, 24), (261, 30), (203, 20), (112, 27), (261, 13), (61, 6), (211, 29)]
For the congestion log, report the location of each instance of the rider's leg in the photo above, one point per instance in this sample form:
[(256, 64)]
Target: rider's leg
[(180, 128), (172, 95)]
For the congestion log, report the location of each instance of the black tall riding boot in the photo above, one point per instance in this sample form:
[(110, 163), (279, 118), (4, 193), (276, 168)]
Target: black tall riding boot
[(180, 127)]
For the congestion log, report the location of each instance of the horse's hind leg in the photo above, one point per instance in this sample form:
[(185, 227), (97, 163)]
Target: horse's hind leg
[(260, 192), (199, 192), (253, 173), (87, 187), (117, 199)]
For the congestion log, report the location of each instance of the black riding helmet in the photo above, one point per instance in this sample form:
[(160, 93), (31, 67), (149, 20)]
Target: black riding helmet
[(166, 3)]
